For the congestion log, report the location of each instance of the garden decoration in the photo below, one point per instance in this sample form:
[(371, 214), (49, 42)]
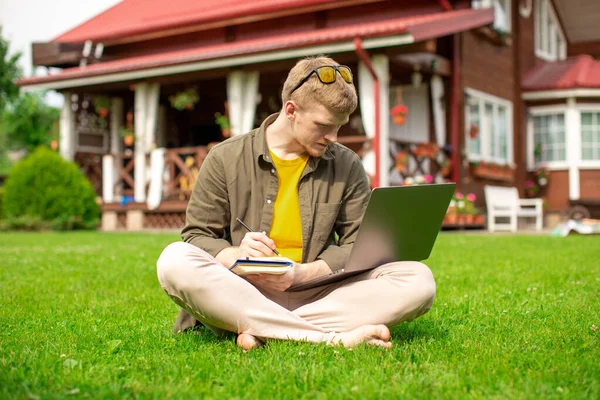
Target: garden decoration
[(185, 100)]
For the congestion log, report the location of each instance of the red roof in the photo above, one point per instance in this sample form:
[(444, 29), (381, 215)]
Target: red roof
[(420, 27), (573, 73), (134, 17)]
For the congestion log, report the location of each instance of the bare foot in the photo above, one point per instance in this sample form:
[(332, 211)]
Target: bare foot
[(376, 335), (248, 342)]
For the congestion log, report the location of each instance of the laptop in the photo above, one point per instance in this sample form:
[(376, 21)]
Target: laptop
[(400, 224)]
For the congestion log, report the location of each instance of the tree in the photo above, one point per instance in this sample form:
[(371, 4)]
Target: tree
[(29, 122), (9, 73)]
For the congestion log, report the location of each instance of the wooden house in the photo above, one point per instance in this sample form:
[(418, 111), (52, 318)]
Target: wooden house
[(477, 92)]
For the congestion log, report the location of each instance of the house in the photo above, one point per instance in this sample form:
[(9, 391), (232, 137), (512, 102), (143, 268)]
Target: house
[(471, 91)]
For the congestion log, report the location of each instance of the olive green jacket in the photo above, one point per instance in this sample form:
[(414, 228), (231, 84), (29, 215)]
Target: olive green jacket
[(239, 179)]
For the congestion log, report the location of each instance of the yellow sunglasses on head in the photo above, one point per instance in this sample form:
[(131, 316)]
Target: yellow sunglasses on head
[(326, 75)]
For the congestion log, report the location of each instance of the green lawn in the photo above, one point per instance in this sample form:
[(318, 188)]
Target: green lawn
[(82, 315)]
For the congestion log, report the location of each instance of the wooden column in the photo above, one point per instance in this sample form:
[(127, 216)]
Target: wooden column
[(139, 176), (67, 129)]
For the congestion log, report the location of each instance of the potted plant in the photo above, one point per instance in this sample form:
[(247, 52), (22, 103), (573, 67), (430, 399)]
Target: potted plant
[(102, 105), (185, 100), (541, 175), (451, 217), (398, 114), (224, 123), (128, 136), (531, 188), (469, 210), (401, 160), (127, 132)]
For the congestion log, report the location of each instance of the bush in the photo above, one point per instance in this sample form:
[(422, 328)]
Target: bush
[(45, 191)]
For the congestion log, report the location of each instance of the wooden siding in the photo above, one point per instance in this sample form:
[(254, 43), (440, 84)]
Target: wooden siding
[(589, 183), (486, 66), (557, 191)]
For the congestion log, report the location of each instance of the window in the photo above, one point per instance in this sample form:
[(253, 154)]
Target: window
[(550, 43), (492, 117), (590, 136), (549, 138), (501, 12)]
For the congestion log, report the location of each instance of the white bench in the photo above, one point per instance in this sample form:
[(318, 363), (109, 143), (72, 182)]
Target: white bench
[(504, 202)]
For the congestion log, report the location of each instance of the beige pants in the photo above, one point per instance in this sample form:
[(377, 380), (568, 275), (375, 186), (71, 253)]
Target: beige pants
[(223, 301)]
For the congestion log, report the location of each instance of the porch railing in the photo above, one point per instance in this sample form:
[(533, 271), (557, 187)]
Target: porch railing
[(182, 164)]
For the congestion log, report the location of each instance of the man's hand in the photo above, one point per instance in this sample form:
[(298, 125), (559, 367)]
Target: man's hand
[(298, 273), (254, 244), (277, 282)]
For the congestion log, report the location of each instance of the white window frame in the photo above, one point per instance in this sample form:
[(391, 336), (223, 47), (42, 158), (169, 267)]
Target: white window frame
[(485, 136), (544, 10), (539, 112), (506, 25), (573, 136), (587, 164)]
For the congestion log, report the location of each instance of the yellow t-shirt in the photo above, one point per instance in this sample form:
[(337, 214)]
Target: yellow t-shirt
[(286, 228)]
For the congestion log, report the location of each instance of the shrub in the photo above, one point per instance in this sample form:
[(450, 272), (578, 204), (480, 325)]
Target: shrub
[(44, 190)]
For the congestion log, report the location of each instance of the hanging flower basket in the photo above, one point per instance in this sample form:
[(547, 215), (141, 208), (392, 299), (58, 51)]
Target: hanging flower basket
[(185, 100), (224, 123), (399, 114), (102, 105)]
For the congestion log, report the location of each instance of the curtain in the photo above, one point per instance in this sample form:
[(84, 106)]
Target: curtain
[(439, 109), (367, 110), (242, 90)]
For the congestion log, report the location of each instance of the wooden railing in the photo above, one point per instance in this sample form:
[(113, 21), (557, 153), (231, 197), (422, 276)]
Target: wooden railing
[(91, 165), (418, 159), (183, 165), (124, 183)]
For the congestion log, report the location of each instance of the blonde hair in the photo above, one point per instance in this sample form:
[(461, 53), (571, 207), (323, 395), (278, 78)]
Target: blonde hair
[(338, 96)]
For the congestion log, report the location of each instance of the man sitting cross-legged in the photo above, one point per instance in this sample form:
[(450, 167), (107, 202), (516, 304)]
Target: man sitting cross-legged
[(297, 188)]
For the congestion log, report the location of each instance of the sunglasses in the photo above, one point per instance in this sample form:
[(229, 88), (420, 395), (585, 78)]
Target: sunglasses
[(326, 75)]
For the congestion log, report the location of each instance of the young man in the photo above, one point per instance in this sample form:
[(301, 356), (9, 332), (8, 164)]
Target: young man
[(296, 187)]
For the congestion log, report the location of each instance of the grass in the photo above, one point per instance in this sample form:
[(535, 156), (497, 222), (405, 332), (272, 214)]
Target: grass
[(82, 315)]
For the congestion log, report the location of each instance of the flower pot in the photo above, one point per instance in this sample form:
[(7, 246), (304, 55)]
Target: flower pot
[(468, 219), (103, 112), (226, 132), (479, 220), (451, 219), (399, 119), (128, 140)]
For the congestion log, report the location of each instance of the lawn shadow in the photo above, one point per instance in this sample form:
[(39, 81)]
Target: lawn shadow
[(420, 330)]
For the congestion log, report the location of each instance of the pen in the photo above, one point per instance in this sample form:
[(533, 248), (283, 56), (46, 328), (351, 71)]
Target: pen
[(250, 230)]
